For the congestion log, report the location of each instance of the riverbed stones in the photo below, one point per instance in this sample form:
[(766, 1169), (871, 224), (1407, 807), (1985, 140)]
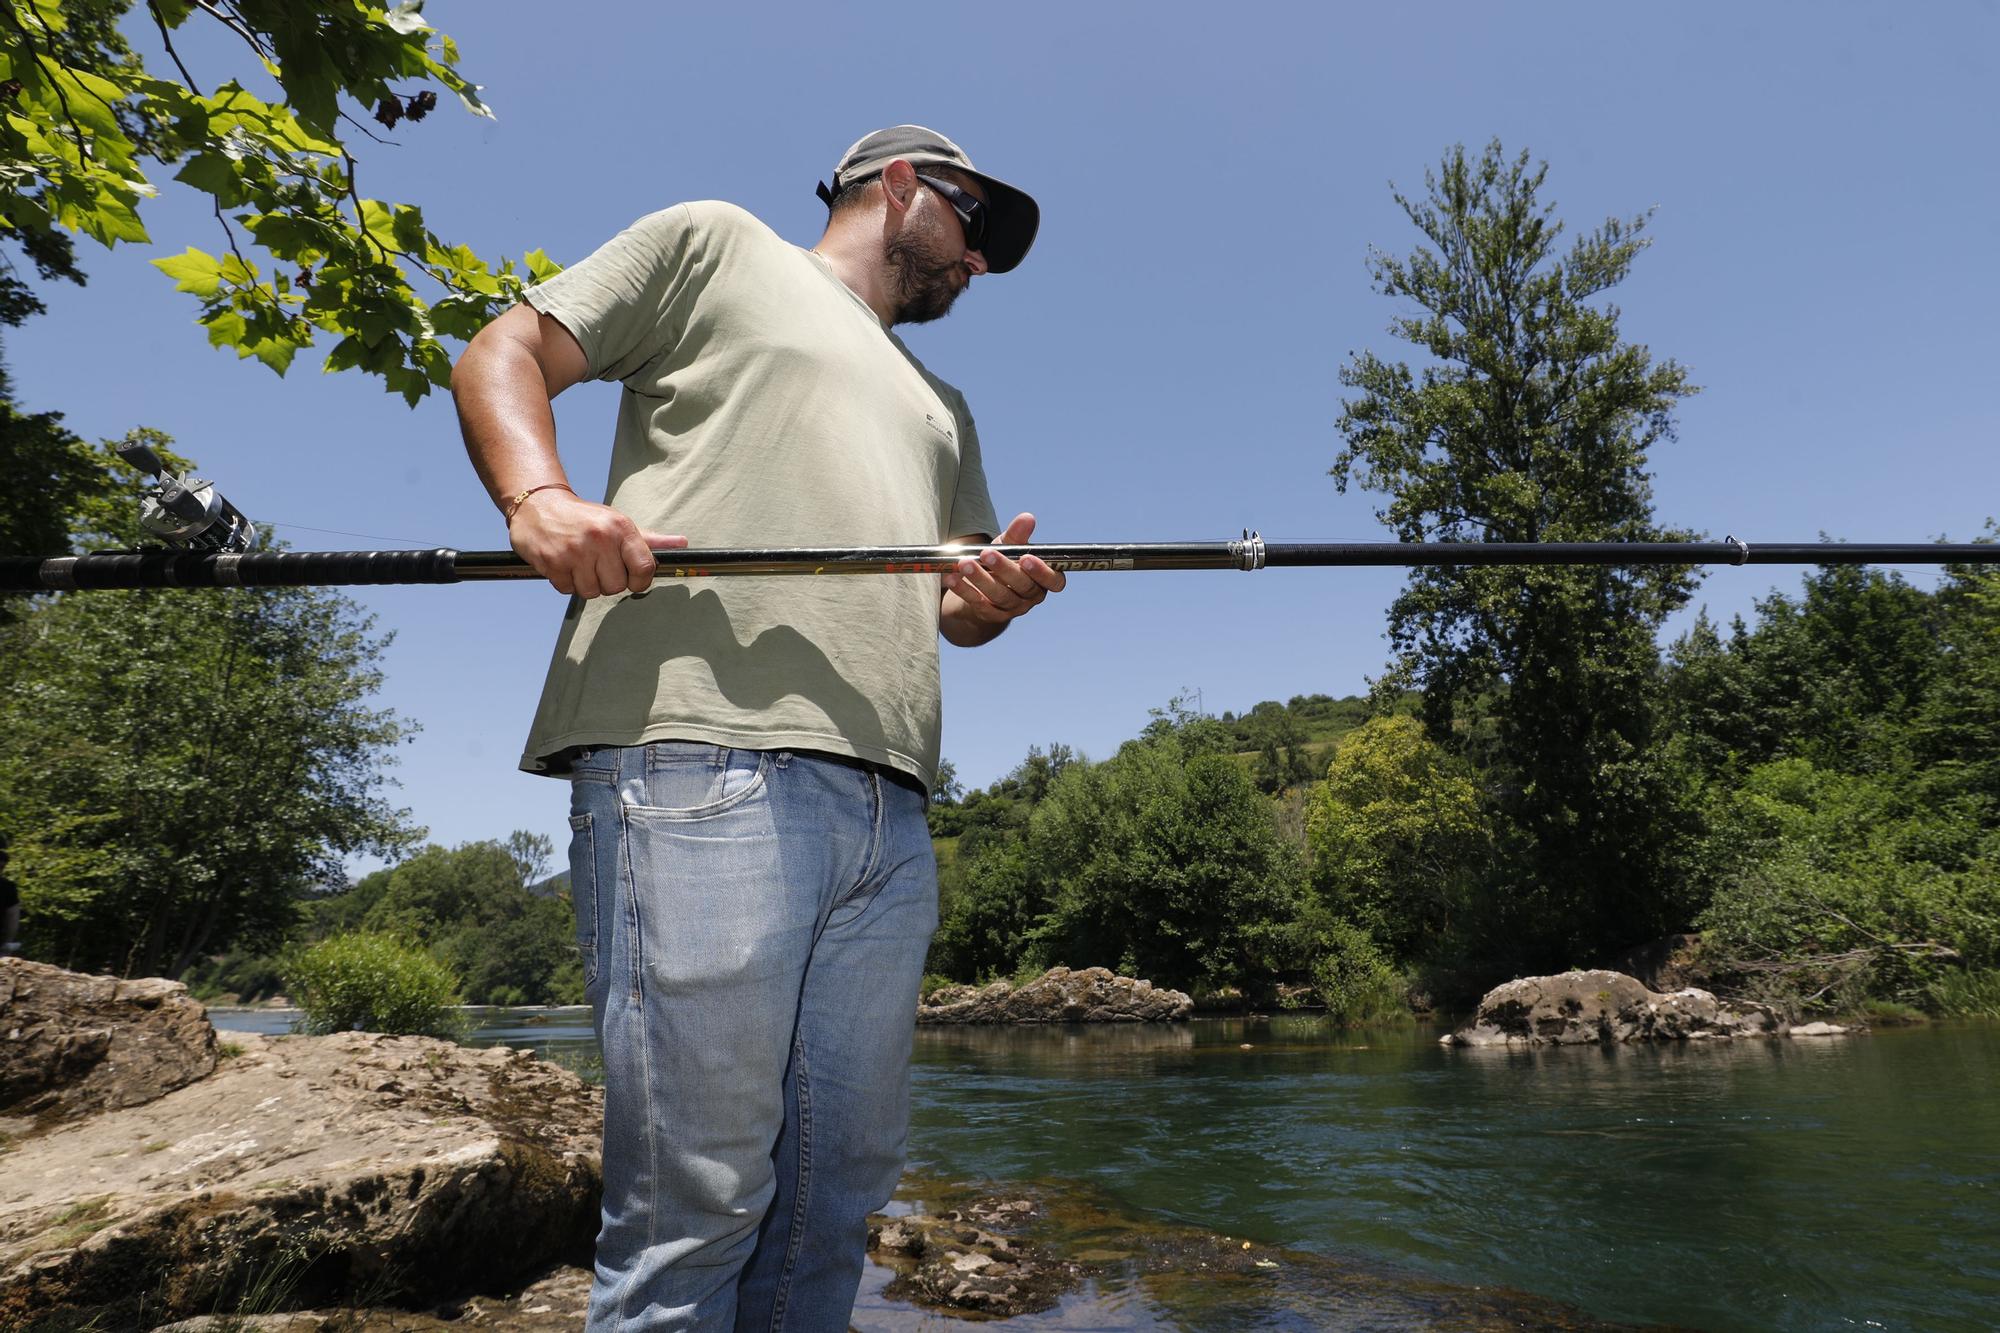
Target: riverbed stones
[(959, 1260), (319, 1167), (1090, 995), (1592, 1007), (71, 1043)]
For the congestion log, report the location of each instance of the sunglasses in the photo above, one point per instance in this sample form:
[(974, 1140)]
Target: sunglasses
[(970, 209)]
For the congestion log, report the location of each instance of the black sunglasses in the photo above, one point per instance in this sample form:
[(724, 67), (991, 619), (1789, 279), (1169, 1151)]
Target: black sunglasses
[(970, 208)]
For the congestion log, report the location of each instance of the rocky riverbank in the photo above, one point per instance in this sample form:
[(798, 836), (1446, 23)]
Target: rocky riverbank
[(396, 1166), (1597, 1007), (153, 1176), (1091, 995)]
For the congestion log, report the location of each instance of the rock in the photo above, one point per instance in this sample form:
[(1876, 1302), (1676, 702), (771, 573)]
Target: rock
[(71, 1044), (1093, 995), (1598, 1006), (292, 1168), (951, 1262), (1822, 1030), (897, 1238)]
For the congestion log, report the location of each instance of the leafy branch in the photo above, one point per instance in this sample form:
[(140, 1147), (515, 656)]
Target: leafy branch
[(85, 114)]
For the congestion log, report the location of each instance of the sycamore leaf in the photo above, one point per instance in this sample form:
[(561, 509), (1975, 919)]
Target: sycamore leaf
[(225, 328), (277, 353), (193, 272), (408, 229), (216, 174), (236, 272), (412, 384), (113, 220), (407, 18), (540, 267)]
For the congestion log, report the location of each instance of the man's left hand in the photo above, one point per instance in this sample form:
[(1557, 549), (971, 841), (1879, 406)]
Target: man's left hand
[(985, 593)]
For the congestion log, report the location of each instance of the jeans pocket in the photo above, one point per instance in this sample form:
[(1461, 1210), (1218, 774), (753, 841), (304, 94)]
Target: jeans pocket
[(686, 781), (583, 891)]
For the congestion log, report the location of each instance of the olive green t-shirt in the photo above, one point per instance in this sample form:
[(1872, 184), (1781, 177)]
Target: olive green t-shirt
[(764, 404)]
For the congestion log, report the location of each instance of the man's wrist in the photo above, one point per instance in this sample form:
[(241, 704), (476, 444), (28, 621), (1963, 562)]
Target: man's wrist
[(513, 506)]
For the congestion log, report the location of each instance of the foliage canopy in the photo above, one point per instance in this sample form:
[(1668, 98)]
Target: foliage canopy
[(305, 251)]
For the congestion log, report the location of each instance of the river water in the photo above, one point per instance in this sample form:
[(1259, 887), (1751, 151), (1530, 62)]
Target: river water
[(1791, 1184)]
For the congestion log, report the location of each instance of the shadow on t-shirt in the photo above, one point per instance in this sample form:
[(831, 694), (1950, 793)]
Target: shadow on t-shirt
[(753, 676)]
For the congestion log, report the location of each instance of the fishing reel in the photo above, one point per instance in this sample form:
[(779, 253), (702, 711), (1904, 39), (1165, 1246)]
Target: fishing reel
[(186, 511)]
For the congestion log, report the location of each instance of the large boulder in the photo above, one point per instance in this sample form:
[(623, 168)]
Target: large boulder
[(302, 1171), (71, 1043), (1591, 1007), (1093, 995)]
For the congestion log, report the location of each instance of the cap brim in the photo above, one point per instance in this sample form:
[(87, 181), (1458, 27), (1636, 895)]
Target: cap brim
[(1012, 219)]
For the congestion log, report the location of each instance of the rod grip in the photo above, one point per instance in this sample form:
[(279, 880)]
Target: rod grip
[(204, 569)]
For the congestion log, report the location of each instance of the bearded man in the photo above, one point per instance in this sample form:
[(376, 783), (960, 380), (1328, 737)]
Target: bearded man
[(751, 868)]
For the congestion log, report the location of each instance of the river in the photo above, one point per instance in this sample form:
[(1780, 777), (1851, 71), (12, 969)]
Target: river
[(1792, 1184)]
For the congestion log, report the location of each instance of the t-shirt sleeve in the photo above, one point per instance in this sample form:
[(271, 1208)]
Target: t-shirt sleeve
[(620, 303), (971, 507)]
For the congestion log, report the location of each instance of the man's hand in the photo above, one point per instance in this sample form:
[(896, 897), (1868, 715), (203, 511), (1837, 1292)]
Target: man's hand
[(983, 595), (588, 549)]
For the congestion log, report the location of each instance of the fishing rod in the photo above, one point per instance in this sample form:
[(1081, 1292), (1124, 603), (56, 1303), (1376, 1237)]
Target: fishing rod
[(263, 569), (211, 542)]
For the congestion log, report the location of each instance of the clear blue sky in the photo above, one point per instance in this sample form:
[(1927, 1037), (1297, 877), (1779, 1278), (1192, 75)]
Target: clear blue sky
[(1164, 365)]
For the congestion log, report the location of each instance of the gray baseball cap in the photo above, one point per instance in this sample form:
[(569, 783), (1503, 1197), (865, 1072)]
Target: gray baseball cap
[(1012, 217)]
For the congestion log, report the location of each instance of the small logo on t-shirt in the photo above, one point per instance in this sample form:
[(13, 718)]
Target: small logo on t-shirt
[(941, 426)]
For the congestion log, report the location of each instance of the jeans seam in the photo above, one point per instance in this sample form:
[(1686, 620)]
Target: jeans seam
[(645, 1072), (637, 988), (802, 1196)]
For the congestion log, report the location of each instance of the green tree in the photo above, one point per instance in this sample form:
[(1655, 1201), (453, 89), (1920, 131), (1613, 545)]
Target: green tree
[(1841, 887), (1279, 738), (986, 903), (1530, 421), (1836, 675), (48, 476), (1163, 861), (1398, 835), (1956, 731), (178, 768), (471, 906), (304, 252)]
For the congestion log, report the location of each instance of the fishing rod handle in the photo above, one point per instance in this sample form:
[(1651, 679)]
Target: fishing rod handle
[(207, 569)]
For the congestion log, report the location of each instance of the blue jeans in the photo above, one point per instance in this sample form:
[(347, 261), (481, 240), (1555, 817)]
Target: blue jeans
[(753, 927)]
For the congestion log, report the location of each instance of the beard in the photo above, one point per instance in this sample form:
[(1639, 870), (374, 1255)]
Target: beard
[(926, 283)]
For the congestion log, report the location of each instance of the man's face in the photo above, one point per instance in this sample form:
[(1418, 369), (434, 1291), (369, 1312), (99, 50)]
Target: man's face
[(927, 257)]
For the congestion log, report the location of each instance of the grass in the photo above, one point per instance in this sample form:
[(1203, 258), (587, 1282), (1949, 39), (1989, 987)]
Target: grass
[(1962, 993), (1890, 1014), (229, 1050), (74, 1225)]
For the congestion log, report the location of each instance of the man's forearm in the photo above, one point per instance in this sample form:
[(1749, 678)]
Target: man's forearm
[(504, 413)]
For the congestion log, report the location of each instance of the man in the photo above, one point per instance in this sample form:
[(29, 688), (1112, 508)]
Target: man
[(750, 757)]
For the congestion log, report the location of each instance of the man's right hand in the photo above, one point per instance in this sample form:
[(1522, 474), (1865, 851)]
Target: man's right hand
[(587, 549)]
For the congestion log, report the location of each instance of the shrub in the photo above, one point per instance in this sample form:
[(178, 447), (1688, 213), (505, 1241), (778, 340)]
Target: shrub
[(373, 982), (1355, 982)]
